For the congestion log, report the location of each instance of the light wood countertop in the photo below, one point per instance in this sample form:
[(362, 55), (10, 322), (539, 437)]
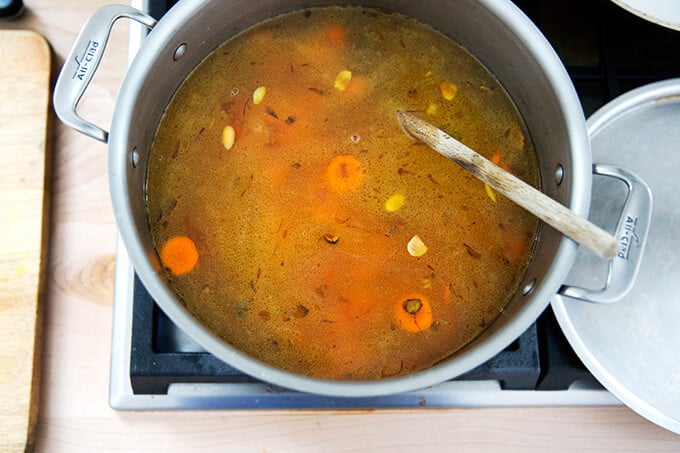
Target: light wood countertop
[(74, 414)]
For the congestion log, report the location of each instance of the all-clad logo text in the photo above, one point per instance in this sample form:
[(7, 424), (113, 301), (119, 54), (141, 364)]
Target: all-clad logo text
[(628, 238), (83, 61)]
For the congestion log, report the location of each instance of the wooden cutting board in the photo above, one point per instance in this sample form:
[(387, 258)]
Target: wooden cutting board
[(24, 172)]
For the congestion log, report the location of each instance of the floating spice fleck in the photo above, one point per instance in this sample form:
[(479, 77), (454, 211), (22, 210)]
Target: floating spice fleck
[(301, 311), (234, 91), (243, 307), (271, 112), (167, 207), (472, 252), (331, 238), (290, 120)]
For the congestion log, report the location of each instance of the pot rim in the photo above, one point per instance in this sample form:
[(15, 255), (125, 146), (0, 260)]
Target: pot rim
[(468, 357)]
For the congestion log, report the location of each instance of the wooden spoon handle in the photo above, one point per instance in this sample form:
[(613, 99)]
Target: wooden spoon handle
[(545, 208)]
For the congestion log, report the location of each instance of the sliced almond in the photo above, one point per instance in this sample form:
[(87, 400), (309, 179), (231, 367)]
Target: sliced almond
[(394, 203), (416, 246)]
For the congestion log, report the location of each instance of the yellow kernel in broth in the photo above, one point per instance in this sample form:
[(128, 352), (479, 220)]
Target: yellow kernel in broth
[(342, 80), (394, 203), (448, 90), (258, 94), (490, 192), (228, 137)]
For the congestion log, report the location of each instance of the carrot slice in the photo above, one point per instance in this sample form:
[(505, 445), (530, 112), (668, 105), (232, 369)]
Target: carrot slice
[(515, 248), (414, 313), (447, 294), (496, 159), (344, 173), (335, 34), (357, 87), (179, 255)]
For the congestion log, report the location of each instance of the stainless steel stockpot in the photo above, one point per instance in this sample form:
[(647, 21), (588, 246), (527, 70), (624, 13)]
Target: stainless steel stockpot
[(494, 31)]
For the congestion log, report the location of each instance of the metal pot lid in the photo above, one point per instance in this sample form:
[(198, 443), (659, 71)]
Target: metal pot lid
[(661, 12), (633, 346)]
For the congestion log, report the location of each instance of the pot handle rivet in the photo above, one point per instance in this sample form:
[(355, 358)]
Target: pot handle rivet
[(529, 288), (134, 157), (559, 174), (81, 65), (179, 52)]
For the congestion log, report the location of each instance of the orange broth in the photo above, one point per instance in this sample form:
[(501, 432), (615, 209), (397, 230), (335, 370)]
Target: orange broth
[(298, 203)]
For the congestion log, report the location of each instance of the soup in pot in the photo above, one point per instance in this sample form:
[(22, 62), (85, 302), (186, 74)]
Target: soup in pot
[(298, 222)]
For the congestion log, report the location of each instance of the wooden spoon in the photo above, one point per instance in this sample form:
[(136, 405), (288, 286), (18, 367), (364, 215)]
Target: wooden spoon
[(545, 208)]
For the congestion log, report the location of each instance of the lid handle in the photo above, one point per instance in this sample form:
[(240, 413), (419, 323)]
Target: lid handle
[(631, 232)]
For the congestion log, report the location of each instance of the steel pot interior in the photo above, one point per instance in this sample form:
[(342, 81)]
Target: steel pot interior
[(496, 32)]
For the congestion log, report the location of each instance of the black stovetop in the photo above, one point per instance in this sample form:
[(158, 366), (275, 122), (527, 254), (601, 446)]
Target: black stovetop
[(607, 52)]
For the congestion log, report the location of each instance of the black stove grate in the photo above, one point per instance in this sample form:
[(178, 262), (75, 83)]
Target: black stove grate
[(607, 52)]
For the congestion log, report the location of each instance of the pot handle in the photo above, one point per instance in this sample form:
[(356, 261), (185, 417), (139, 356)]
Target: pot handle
[(631, 231), (81, 65)]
